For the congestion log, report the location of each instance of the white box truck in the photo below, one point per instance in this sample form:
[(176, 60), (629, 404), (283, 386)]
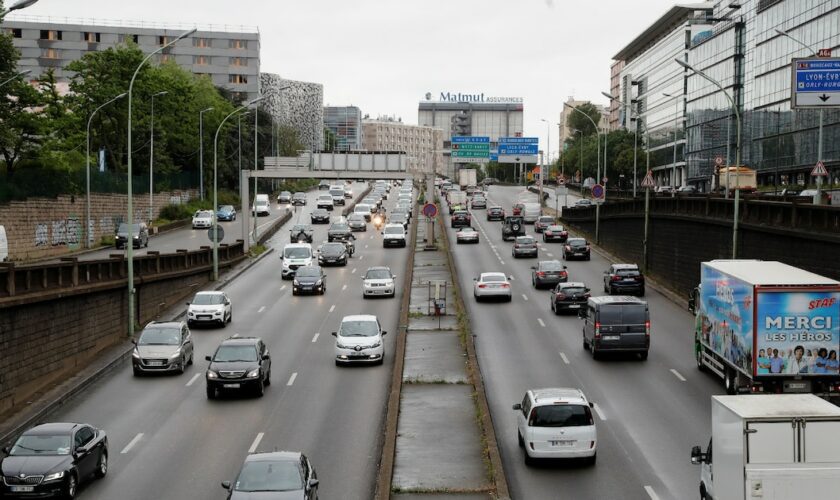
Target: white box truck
[(765, 326), (771, 447), (467, 177)]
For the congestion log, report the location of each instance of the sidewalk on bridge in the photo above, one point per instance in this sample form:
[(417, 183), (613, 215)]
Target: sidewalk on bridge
[(439, 446)]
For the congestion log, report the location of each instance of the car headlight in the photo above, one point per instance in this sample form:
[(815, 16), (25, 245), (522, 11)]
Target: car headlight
[(285, 265), (54, 476), (318, 283), (212, 374), (176, 354), (296, 282), (217, 313), (377, 344), (254, 373), (135, 353), (342, 346)]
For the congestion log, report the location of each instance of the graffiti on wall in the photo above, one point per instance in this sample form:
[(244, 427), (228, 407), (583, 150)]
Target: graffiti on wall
[(62, 232)]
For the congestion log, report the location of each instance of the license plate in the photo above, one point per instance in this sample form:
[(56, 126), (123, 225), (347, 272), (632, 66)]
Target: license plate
[(231, 386), (562, 442), (578, 253), (628, 279), (611, 337), (22, 489), (574, 306), (155, 363)]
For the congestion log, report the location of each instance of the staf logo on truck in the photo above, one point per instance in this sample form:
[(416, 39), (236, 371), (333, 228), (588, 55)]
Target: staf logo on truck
[(815, 304)]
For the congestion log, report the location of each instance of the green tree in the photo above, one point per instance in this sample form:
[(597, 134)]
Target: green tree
[(330, 140), (577, 121), (289, 141)]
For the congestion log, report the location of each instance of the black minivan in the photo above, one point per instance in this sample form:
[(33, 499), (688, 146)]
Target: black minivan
[(616, 324)]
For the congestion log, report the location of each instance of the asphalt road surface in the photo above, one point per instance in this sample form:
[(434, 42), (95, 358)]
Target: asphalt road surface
[(649, 413), (168, 441)]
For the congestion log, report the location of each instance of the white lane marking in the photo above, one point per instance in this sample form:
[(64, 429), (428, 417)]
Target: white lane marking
[(292, 379), (366, 246), (343, 287), (524, 296), (599, 412), (549, 254), (282, 288), (193, 379), (512, 277), (678, 375), (332, 308), (131, 443), (361, 257), (193, 235), (540, 321), (353, 271), (652, 494), (502, 262), (315, 338), (564, 358), (261, 309), (256, 442)]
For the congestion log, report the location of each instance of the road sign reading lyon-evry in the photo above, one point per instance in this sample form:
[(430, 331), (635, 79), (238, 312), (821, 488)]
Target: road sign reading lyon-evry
[(815, 82), (819, 170)]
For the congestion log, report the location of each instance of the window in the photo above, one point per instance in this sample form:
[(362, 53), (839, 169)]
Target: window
[(238, 61), (50, 35), (49, 53), (91, 37), (163, 40), (202, 60), (241, 79), (83, 436), (561, 416), (237, 44), (15, 32), (201, 42)]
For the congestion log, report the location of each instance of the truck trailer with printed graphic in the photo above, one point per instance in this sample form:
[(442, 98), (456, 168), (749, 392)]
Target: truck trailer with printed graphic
[(767, 327)]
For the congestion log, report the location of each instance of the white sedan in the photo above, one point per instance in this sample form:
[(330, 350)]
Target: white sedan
[(202, 219), (492, 285), (466, 235)]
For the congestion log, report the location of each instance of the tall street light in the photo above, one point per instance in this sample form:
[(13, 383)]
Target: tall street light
[(543, 169), (216, 187), (635, 138), (737, 150), (17, 75), (152, 159), (598, 171), (87, 170), (201, 151), (818, 197), (20, 5), (676, 118), (129, 253)]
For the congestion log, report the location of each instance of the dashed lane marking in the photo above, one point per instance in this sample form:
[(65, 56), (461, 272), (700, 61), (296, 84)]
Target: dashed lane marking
[(315, 338), (652, 494), (193, 379), (678, 375), (256, 442), (525, 297), (293, 377), (332, 308), (564, 358), (540, 321), (600, 412), (131, 443), (261, 309)]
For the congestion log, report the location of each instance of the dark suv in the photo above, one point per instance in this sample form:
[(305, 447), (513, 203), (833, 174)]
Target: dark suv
[(570, 296), (624, 279), (239, 363), (513, 227)]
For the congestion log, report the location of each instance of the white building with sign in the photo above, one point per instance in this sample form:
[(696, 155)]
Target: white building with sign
[(472, 113)]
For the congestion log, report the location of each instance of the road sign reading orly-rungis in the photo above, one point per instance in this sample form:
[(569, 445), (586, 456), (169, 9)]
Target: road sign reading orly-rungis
[(815, 82)]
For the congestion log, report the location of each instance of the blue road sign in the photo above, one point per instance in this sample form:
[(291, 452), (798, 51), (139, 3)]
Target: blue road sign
[(494, 156), (519, 140), (815, 82), (468, 139), (598, 192), (518, 149)]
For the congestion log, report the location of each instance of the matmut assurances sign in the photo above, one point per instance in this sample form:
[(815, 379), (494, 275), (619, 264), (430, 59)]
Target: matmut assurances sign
[(466, 97)]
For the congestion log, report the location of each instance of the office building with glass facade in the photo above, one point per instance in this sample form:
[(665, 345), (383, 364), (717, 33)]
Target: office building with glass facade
[(345, 122), (752, 60)]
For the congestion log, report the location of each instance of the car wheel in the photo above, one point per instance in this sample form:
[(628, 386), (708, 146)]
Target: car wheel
[(585, 344), (102, 466), (268, 378), (588, 257), (595, 353), (556, 309), (211, 392), (729, 381), (528, 459), (294, 292), (519, 438), (137, 372), (260, 389), (643, 355), (642, 293), (190, 361), (698, 356), (182, 366), (71, 486), (509, 298)]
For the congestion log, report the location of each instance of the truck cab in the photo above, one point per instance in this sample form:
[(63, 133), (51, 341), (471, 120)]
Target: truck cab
[(704, 460)]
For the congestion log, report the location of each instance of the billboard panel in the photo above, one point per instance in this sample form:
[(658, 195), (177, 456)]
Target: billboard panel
[(726, 312)]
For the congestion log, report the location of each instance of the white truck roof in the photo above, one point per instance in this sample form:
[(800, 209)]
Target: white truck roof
[(778, 405), (766, 272)]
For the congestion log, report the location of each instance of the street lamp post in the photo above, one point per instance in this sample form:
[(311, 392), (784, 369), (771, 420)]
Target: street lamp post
[(543, 170), (87, 170), (152, 159), (737, 150), (674, 168), (598, 169), (130, 208), (17, 75), (201, 151), (216, 187), (20, 5)]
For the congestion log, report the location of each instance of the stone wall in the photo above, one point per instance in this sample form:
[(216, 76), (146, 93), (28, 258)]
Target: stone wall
[(47, 227)]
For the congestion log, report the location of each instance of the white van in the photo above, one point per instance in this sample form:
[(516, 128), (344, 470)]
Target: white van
[(295, 255), (261, 205), (531, 212), (4, 245)]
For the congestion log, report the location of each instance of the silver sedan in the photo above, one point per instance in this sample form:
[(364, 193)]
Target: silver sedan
[(466, 235), (492, 285)]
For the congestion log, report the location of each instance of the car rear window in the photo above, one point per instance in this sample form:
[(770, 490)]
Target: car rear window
[(561, 415), (623, 314), (577, 243), (494, 278), (551, 266), (571, 290), (627, 272)]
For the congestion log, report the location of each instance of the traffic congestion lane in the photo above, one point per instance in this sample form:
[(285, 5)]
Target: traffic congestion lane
[(661, 415), (189, 444)]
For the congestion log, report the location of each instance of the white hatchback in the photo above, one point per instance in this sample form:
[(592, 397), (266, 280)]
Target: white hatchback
[(209, 307), (556, 423), (378, 282), (359, 340), (202, 219)]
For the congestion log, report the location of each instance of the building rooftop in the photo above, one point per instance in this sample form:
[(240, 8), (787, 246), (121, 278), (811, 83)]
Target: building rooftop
[(675, 16), (124, 23)]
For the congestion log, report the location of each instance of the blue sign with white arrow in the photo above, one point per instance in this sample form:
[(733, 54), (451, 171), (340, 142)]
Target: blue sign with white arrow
[(815, 82)]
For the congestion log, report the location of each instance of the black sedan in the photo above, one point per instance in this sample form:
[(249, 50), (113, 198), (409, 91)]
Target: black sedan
[(460, 218), (284, 197), (339, 231), (52, 460), (320, 216), (495, 213), (571, 296), (301, 233), (555, 232), (357, 222), (548, 273), (309, 279), (278, 474), (576, 248), (299, 198), (524, 246), (333, 254)]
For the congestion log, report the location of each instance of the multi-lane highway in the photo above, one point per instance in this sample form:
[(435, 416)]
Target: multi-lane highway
[(649, 413), (169, 441)]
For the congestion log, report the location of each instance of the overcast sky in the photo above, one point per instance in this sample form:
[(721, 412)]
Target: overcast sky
[(384, 55)]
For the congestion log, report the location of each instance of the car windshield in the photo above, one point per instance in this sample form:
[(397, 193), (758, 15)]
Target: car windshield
[(555, 228), (623, 314), (226, 208), (466, 230), (325, 197), (577, 243), (494, 278), (202, 213), (261, 475), (297, 253), (301, 227), (551, 265), (525, 240), (363, 328), (332, 247), (339, 227), (560, 416), (208, 299), (319, 211), (308, 272), (230, 353), (546, 219), (393, 230), (37, 444), (300, 195), (160, 336), (124, 227), (378, 274), (285, 193), (362, 208), (355, 218)]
